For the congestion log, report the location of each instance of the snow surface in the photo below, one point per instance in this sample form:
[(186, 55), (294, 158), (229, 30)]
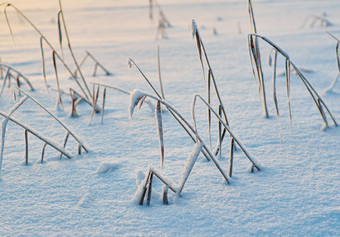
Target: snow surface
[(297, 193)]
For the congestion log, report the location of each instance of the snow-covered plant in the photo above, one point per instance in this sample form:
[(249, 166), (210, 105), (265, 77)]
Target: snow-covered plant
[(12, 73), (205, 64), (61, 148), (146, 185), (137, 98), (331, 87), (258, 75)]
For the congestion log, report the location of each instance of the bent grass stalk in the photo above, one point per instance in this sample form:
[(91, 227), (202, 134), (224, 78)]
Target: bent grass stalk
[(210, 79), (232, 135), (259, 80), (184, 124)]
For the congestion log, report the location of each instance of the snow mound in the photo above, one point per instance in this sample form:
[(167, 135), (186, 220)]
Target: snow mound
[(107, 167)]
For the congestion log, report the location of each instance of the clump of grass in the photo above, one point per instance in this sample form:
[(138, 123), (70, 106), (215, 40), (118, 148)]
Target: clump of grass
[(137, 97), (257, 70), (12, 73), (56, 57), (314, 20), (255, 58), (163, 21), (28, 130)]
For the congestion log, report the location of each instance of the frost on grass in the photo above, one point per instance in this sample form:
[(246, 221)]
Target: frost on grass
[(135, 97)]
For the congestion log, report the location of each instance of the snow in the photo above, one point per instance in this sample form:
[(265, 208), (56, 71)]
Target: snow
[(297, 191)]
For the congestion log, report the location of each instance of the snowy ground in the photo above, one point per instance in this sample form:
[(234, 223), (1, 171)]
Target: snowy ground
[(295, 194)]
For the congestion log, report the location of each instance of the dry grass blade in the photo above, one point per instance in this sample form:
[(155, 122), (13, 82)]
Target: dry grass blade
[(26, 146), (256, 56), (60, 102), (95, 94), (43, 62), (159, 120), (287, 72), (103, 104), (159, 73), (251, 16)]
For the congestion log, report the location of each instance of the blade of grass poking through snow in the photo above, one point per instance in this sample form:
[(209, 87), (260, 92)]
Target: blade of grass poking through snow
[(26, 147), (158, 113), (211, 78), (244, 150), (320, 104), (287, 73), (273, 64), (60, 102), (159, 73), (87, 94), (257, 59), (103, 105), (43, 63), (138, 95), (95, 100)]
